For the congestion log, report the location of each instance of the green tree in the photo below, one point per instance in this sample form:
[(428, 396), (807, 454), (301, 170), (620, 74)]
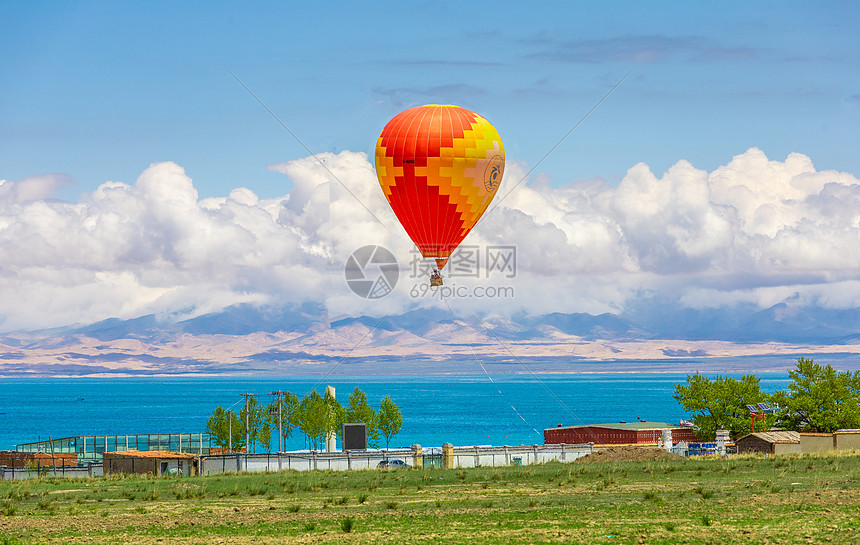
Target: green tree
[(819, 399), (334, 415), (390, 419), (255, 421), (311, 418), (358, 410), (720, 403), (289, 414), (218, 427), (264, 434)]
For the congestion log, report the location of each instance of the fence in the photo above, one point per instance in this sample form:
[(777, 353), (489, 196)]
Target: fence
[(342, 461), (18, 473), (522, 455), (301, 461)]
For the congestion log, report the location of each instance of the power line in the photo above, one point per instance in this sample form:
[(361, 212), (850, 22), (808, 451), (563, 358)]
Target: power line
[(528, 370), (481, 363)]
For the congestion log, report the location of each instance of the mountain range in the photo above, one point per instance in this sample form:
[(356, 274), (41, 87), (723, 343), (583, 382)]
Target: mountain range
[(304, 339)]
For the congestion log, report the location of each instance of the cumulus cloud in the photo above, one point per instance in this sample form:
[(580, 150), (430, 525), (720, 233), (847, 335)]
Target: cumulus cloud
[(754, 231), (34, 187)]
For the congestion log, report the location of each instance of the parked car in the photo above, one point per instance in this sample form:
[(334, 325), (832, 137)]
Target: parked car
[(392, 464)]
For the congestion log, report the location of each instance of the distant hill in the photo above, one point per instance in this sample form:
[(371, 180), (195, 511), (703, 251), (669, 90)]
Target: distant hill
[(299, 339)]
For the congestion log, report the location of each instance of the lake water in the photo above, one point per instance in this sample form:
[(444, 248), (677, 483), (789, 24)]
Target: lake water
[(461, 409)]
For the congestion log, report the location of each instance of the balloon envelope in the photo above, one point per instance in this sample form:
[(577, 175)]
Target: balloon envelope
[(439, 166)]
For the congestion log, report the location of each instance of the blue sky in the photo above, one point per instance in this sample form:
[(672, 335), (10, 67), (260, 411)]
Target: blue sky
[(137, 176), (99, 90)]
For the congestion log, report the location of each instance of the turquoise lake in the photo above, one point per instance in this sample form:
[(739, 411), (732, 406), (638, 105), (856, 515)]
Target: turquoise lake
[(461, 409)]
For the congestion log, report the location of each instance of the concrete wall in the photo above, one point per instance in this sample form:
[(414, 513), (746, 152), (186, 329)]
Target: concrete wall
[(335, 461), (523, 455), (342, 461), (787, 448), (301, 461), (847, 440), (816, 442), (822, 442)]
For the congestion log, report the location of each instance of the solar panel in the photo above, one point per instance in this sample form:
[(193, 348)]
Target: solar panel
[(752, 408), (762, 406)]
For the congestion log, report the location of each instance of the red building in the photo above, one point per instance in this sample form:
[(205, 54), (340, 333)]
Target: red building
[(621, 433), (13, 458)]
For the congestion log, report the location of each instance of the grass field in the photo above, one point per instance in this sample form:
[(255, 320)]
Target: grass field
[(750, 500)]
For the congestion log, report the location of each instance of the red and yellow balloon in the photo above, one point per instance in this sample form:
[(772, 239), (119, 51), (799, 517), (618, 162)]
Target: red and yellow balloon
[(439, 166)]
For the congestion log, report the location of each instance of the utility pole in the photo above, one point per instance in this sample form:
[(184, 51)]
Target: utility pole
[(229, 432), (279, 393), (247, 430)]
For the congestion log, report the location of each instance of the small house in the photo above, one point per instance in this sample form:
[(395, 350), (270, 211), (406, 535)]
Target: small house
[(770, 442), (155, 462)]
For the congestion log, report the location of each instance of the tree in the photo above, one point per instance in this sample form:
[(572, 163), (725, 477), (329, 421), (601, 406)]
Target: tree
[(819, 399), (289, 408), (358, 410), (334, 415), (218, 427), (390, 419), (311, 418), (720, 403), (255, 421), (264, 434)]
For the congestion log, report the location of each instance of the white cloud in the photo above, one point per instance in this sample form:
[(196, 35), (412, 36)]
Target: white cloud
[(34, 188), (754, 231)]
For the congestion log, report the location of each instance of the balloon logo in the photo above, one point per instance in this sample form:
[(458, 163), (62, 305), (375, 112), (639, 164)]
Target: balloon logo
[(439, 167), (493, 173)]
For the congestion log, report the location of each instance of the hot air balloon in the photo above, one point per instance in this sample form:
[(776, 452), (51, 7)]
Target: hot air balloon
[(439, 167)]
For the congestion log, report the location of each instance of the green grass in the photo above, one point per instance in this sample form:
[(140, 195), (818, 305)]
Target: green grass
[(793, 499)]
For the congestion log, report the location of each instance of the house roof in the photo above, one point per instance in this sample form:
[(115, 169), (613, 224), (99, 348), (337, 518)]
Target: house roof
[(150, 454), (641, 425), (775, 436)]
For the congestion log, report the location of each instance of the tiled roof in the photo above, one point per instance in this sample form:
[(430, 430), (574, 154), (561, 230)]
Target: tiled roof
[(777, 436), (641, 425)]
